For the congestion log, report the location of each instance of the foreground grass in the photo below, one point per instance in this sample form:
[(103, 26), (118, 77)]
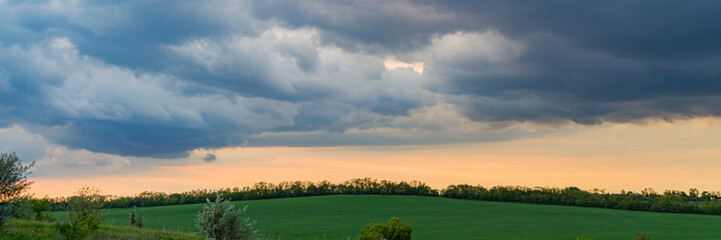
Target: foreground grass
[(28, 230), (342, 217)]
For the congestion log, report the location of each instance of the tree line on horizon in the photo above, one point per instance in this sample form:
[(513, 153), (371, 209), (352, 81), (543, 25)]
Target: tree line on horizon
[(672, 201), (264, 190), (221, 220)]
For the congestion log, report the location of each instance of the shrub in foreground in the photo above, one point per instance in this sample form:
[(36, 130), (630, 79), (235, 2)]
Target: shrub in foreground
[(222, 220), (85, 216), (41, 209), (75, 230), (393, 230), (135, 218)]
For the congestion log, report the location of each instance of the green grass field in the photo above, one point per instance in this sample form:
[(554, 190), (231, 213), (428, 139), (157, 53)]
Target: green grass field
[(342, 217), (31, 230)]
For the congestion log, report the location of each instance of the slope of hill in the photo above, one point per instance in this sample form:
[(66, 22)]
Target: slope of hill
[(342, 217)]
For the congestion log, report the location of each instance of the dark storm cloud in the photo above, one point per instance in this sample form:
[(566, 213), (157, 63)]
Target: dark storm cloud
[(125, 32), (161, 78), (650, 30), (581, 61), (209, 157), (640, 29), (80, 102), (368, 26), (555, 79)]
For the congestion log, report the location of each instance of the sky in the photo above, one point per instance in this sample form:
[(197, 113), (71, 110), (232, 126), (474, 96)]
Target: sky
[(170, 96)]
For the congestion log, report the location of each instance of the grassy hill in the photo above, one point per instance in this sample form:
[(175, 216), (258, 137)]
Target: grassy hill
[(30, 230), (342, 217)]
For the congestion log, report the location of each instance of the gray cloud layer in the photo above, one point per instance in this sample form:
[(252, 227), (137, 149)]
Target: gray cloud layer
[(158, 79)]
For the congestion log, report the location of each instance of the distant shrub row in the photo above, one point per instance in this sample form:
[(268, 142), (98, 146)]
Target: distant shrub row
[(263, 190), (646, 200)]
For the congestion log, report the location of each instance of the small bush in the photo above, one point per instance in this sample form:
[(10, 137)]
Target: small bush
[(22, 208), (41, 209), (221, 220), (643, 236), (393, 230), (76, 230), (584, 237), (85, 216), (136, 219)]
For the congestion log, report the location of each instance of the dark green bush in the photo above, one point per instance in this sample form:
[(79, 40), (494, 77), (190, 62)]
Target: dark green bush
[(21, 208), (393, 230), (77, 229)]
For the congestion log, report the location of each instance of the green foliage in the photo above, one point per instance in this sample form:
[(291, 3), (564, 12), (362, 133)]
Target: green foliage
[(263, 190), (28, 208), (709, 207), (135, 219), (41, 209), (221, 220), (6, 211), (647, 200), (86, 206), (22, 208), (85, 216), (77, 229), (13, 183), (643, 236), (393, 230)]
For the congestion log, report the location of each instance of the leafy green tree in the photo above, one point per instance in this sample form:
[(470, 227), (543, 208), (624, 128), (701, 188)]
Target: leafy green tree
[(393, 230), (221, 220), (13, 183)]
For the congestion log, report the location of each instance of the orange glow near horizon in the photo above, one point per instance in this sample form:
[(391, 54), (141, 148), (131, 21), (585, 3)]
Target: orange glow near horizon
[(659, 155)]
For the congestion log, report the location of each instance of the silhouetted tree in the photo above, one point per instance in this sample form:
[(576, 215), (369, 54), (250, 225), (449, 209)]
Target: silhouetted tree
[(13, 182)]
